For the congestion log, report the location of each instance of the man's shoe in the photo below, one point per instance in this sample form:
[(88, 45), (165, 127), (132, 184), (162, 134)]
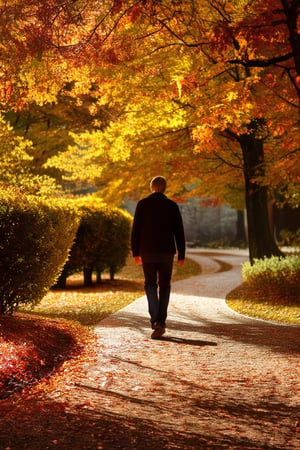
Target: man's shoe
[(155, 325), (159, 330)]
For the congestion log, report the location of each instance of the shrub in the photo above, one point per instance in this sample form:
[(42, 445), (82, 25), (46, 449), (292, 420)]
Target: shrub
[(102, 240), (119, 234), (35, 238), (275, 276), (289, 238)]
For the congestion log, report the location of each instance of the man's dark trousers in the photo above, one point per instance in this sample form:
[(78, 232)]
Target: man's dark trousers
[(158, 286)]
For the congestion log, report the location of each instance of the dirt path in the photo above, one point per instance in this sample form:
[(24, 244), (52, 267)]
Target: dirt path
[(217, 380)]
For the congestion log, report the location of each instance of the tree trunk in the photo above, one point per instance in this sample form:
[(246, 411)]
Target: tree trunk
[(87, 275), (99, 276), (112, 272), (61, 282), (261, 239), (240, 237)]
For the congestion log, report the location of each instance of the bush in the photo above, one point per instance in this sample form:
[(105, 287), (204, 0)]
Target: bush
[(289, 238), (275, 276), (102, 240), (119, 238), (35, 238)]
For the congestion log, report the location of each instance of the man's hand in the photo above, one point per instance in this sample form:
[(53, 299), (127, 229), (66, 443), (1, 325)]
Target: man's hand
[(137, 260), (181, 262)]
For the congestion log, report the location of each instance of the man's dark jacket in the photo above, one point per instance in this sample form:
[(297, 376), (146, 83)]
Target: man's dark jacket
[(157, 227)]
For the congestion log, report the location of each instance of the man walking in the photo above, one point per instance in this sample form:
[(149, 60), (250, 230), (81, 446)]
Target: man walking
[(157, 233)]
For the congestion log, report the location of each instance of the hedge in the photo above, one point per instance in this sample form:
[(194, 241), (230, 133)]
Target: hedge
[(35, 238), (275, 276), (102, 240)]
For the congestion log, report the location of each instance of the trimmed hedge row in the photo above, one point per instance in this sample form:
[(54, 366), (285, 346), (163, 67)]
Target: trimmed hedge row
[(43, 241), (102, 241), (35, 238), (275, 276)]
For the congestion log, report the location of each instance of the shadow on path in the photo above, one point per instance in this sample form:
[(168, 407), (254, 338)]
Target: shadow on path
[(52, 427), (195, 342), (279, 338)]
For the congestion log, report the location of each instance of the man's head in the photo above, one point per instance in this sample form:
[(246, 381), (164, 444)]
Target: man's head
[(158, 184)]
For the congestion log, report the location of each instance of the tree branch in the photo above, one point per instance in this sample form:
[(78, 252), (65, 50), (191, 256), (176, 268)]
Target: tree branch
[(277, 93), (235, 166), (262, 62)]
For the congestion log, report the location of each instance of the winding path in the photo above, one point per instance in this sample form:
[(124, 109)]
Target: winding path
[(216, 380)]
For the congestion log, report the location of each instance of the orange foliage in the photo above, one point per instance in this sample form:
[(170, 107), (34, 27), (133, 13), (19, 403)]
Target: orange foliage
[(33, 347)]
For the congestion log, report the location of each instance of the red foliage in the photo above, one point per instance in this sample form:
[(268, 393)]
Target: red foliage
[(110, 56), (32, 348), (117, 6), (135, 13)]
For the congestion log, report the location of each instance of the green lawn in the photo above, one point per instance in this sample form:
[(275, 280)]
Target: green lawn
[(254, 303)]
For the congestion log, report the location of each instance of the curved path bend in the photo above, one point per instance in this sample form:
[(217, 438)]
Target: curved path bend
[(216, 380)]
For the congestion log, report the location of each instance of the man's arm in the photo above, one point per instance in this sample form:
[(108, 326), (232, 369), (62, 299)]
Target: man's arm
[(180, 237), (135, 232)]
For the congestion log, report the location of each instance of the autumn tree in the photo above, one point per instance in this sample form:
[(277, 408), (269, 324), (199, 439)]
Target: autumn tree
[(205, 90), (16, 167), (49, 77), (240, 92)]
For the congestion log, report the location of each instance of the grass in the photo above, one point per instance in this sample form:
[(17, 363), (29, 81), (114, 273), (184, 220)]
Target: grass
[(254, 303), (89, 305)]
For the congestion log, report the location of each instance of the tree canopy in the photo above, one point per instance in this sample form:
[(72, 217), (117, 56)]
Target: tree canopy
[(193, 77), (205, 92)]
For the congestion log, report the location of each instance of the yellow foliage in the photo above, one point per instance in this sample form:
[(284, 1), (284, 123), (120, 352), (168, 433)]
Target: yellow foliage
[(15, 164)]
